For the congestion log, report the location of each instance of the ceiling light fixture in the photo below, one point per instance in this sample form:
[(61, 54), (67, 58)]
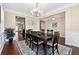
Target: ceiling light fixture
[(36, 11)]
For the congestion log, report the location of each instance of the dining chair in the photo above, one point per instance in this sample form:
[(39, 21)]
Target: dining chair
[(42, 31), (36, 41), (49, 32), (34, 32), (28, 37), (23, 33), (54, 42)]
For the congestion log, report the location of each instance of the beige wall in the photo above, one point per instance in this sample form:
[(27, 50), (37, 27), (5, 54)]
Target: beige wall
[(61, 26), (75, 18), (72, 18), (30, 22), (60, 19), (72, 25), (9, 20)]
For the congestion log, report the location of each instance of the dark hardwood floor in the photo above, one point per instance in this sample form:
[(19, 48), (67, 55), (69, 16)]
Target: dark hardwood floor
[(11, 49)]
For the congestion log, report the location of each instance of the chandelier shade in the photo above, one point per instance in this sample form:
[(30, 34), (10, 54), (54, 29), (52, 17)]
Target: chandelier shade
[(36, 11)]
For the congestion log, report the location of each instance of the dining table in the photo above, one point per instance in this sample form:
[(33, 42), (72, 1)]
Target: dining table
[(44, 38)]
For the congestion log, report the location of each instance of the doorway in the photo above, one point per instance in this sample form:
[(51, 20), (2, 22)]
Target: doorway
[(42, 25), (20, 28)]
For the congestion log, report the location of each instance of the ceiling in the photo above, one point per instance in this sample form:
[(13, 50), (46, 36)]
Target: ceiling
[(26, 7)]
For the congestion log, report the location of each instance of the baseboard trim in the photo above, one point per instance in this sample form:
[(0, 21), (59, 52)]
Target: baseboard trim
[(75, 45)]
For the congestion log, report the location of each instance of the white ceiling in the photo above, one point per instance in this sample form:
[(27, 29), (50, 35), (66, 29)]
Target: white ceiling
[(26, 7)]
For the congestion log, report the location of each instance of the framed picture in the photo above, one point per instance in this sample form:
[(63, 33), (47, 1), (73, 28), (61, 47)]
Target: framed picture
[(54, 24)]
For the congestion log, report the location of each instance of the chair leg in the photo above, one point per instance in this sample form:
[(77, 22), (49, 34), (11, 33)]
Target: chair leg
[(43, 47), (32, 46), (27, 41), (48, 46), (53, 50), (57, 49), (37, 49), (30, 43)]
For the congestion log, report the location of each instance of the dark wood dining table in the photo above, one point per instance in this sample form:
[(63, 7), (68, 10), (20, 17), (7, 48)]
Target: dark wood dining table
[(44, 38)]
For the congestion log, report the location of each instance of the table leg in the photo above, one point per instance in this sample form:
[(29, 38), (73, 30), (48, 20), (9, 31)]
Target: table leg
[(45, 48), (30, 42)]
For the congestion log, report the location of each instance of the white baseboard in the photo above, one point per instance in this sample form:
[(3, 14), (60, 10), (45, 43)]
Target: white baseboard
[(75, 45)]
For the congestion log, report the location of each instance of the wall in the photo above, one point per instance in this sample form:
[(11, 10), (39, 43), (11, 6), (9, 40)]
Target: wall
[(72, 26), (60, 19), (2, 42), (61, 26), (32, 23), (9, 20)]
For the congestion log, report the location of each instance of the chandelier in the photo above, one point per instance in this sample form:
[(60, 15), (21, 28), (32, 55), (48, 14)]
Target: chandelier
[(36, 11)]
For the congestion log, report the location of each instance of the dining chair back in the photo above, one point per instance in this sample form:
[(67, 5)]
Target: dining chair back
[(55, 42), (49, 32), (42, 31), (56, 37)]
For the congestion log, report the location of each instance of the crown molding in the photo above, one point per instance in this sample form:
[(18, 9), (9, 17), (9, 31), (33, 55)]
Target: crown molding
[(18, 13), (59, 10), (50, 13)]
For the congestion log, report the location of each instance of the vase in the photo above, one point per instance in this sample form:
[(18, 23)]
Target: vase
[(10, 40)]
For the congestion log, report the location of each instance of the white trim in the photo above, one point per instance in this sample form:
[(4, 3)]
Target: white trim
[(18, 13), (59, 10)]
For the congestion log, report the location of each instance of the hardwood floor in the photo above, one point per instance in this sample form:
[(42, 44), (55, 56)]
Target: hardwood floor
[(11, 49)]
